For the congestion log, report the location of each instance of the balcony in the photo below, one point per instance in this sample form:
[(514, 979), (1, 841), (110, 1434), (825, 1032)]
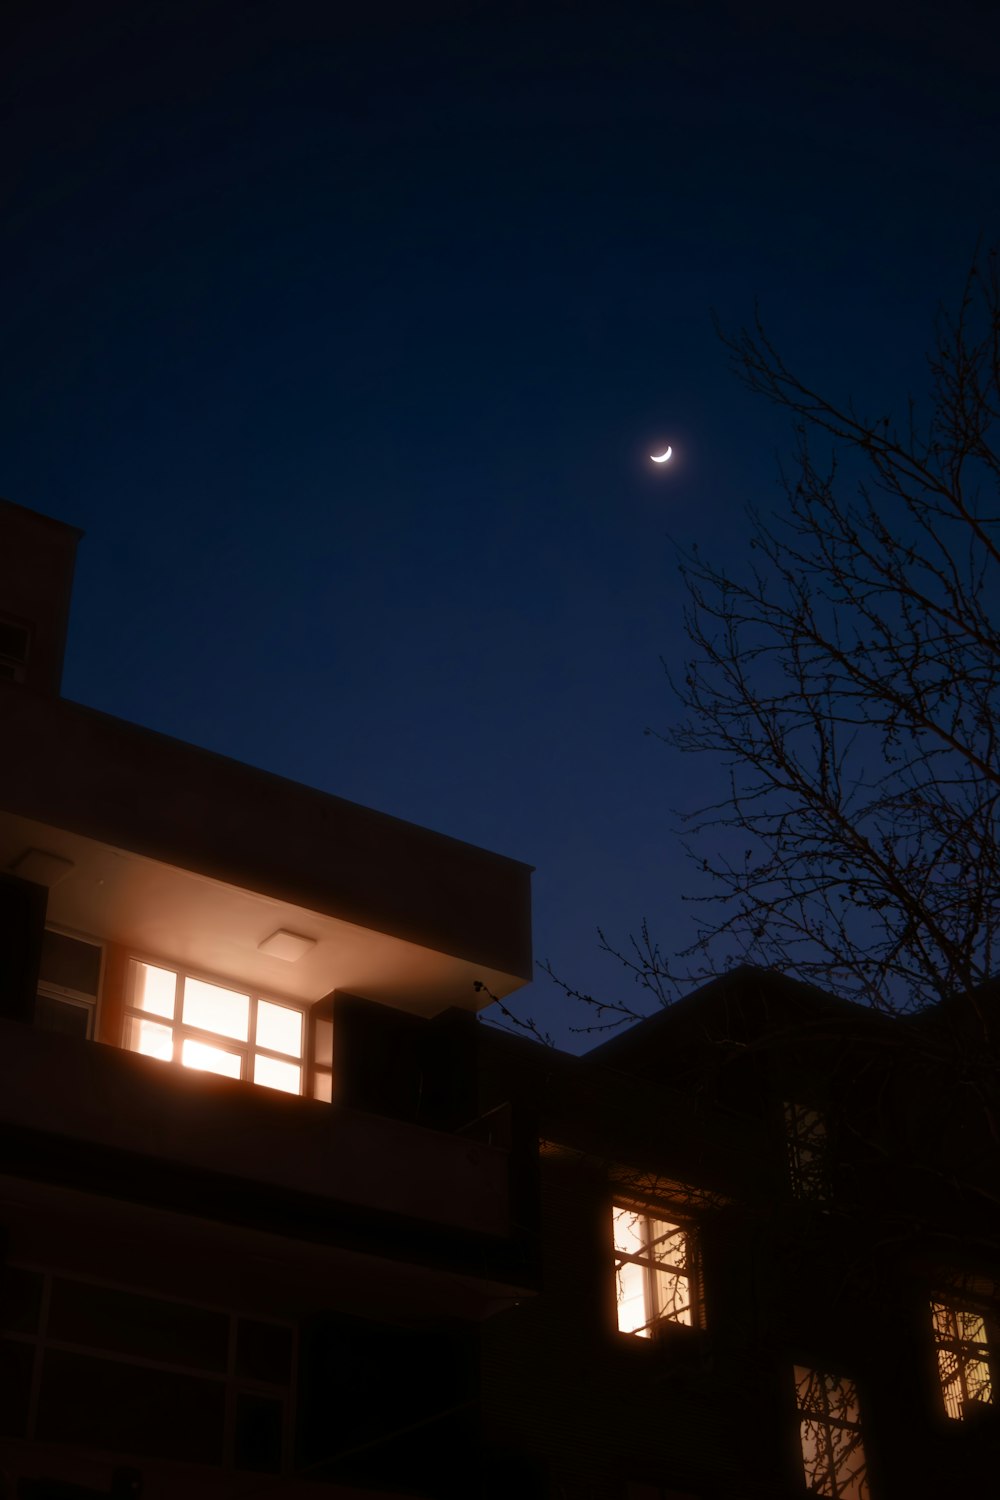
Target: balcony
[(79, 1117)]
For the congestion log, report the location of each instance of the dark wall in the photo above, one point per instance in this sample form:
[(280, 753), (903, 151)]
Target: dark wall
[(22, 924)]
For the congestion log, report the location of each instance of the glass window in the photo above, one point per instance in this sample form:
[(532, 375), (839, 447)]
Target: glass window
[(154, 990), (208, 1059), (150, 1039), (655, 1271), (275, 1074), (808, 1152), (67, 1017), (70, 964), (279, 1028), (113, 1368), (963, 1357), (833, 1455), (213, 1028), (211, 1008)]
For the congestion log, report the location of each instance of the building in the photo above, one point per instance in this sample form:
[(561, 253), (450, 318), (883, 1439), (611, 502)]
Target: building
[(770, 1240), (216, 1260), (281, 1218)]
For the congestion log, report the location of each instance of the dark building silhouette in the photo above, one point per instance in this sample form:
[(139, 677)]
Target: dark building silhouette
[(281, 1218)]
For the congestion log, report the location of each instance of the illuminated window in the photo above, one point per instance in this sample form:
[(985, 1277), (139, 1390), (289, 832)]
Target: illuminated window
[(963, 1357), (655, 1272), (178, 1018), (808, 1152), (833, 1455)]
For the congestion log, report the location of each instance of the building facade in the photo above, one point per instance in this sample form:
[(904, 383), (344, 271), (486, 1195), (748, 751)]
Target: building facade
[(280, 1217)]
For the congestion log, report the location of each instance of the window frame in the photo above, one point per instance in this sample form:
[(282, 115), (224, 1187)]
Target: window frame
[(807, 1150), (967, 1351), (234, 1383), (78, 998), (836, 1486), (658, 1324), (182, 1030)]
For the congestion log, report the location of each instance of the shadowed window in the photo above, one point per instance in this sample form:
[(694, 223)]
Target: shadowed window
[(68, 982), (963, 1357), (655, 1272), (214, 1028), (15, 641), (833, 1455), (123, 1370), (808, 1152)]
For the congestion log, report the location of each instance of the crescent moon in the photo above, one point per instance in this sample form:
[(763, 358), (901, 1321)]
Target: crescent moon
[(661, 458)]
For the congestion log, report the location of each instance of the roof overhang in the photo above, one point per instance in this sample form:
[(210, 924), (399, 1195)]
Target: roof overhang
[(181, 853)]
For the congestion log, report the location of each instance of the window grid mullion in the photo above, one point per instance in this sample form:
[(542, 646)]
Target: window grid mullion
[(180, 1030), (178, 1021)]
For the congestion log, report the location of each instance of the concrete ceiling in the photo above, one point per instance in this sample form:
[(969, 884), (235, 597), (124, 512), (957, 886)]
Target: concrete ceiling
[(160, 911)]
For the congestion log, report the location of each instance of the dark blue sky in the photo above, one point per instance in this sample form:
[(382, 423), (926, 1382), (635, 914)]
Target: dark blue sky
[(344, 337)]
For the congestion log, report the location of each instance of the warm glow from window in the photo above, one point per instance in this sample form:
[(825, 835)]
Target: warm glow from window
[(209, 1059), (833, 1455), (214, 1028), (277, 1075), (963, 1358), (211, 1008), (155, 991), (279, 1028), (654, 1273), (150, 1039)]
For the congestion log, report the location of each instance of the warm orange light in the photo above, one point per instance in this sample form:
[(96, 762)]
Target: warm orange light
[(211, 1008), (206, 1059), (155, 990), (150, 1039), (274, 1074), (279, 1028), (653, 1278)]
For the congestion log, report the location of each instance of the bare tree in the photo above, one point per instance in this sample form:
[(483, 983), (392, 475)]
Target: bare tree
[(848, 682)]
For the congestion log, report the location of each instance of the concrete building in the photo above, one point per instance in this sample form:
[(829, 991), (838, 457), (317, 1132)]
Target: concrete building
[(197, 1220), (281, 1218)]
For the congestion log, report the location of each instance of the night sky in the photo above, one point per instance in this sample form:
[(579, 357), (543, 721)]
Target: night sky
[(345, 333)]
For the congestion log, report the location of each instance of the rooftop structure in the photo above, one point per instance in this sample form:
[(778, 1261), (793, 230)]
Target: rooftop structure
[(280, 1217)]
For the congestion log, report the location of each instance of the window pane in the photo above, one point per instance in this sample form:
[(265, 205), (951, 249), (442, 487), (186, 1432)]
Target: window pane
[(963, 1358), (978, 1381), (629, 1231), (971, 1327), (277, 1075), (673, 1297), (151, 1039), (63, 1016), (154, 990), (211, 1008), (632, 1316), (668, 1245), (210, 1059), (70, 962), (279, 1028), (833, 1456)]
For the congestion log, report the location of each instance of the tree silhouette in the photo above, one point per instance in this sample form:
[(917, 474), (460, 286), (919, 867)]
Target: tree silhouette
[(847, 683)]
